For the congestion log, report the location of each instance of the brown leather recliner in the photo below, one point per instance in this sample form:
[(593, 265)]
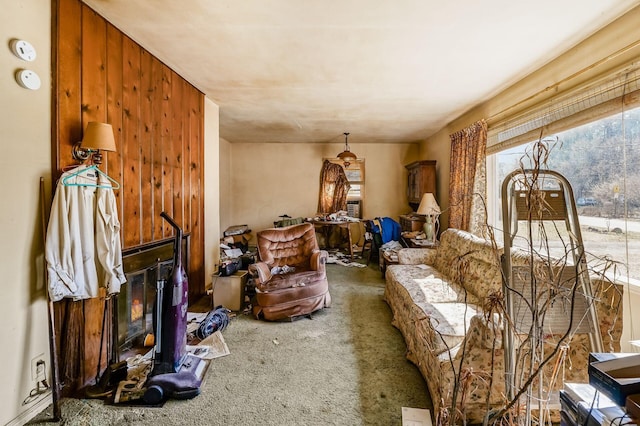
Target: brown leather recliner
[(301, 291)]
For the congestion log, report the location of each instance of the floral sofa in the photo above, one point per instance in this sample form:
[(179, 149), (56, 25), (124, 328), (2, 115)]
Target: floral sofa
[(445, 303)]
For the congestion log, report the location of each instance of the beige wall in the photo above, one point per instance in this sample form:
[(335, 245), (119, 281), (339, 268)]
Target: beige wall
[(26, 156), (267, 180)]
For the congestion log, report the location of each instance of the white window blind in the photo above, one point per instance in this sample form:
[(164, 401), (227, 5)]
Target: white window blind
[(600, 97)]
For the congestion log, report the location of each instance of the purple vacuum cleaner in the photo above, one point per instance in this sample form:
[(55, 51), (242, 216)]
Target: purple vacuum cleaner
[(175, 373)]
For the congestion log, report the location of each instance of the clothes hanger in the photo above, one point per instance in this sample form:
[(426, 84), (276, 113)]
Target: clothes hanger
[(115, 184)]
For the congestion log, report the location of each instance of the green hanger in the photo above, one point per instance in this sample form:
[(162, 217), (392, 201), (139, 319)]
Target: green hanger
[(115, 183)]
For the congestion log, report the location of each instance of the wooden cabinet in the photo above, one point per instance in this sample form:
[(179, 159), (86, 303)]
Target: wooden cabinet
[(410, 223), (422, 178)]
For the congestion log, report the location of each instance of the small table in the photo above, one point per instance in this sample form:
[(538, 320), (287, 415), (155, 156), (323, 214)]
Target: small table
[(419, 243), (328, 225), (387, 257)]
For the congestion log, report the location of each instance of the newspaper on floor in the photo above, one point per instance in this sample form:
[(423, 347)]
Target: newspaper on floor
[(416, 417), (212, 347)]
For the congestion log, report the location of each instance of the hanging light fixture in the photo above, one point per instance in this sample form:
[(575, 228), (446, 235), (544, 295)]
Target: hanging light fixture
[(347, 156)]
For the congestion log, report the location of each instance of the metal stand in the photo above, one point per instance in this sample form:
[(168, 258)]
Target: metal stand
[(542, 295)]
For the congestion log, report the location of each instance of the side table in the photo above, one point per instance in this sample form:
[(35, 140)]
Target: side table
[(387, 257), (419, 243)]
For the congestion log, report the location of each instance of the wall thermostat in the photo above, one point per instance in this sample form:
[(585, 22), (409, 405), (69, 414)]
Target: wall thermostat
[(23, 50), (28, 79)]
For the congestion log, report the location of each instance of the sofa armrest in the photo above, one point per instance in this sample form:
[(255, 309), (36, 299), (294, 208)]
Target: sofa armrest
[(262, 271), (318, 260), (485, 333), (416, 256)]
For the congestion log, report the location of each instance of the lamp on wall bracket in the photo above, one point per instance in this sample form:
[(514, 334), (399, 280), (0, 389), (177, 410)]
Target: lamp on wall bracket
[(431, 210), (97, 137), (347, 156)]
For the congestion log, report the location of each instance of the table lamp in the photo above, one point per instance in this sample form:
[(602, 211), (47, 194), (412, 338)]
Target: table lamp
[(431, 210)]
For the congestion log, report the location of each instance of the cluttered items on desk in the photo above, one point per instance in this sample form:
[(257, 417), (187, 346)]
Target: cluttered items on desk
[(339, 216)]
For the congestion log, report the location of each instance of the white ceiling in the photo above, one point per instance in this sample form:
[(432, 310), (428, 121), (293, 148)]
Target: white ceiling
[(384, 70)]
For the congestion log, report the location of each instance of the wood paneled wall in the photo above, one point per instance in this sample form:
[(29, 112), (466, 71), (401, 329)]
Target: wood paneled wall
[(158, 121)]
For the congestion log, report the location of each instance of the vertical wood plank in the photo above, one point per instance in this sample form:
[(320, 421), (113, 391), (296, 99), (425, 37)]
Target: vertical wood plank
[(157, 160), (189, 97), (146, 145), (94, 73), (131, 152), (68, 129), (94, 108), (196, 191), (199, 225), (167, 148), (114, 109), (177, 139), (114, 117), (69, 76)]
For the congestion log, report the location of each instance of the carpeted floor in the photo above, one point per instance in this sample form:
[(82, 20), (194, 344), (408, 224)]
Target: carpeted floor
[(346, 366)]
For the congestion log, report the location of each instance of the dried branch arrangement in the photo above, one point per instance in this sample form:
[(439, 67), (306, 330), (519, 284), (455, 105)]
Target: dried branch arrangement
[(544, 321)]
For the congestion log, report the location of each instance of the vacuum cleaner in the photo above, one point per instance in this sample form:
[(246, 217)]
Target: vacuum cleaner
[(175, 373)]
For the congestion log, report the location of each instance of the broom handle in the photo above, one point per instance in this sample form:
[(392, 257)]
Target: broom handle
[(53, 347)]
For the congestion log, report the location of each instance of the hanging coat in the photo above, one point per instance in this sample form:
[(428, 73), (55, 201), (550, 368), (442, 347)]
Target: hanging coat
[(83, 249)]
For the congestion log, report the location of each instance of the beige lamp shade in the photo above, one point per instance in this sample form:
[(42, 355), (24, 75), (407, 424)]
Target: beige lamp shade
[(428, 205), (98, 136)]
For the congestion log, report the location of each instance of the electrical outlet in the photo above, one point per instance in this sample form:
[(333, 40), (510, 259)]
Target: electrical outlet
[(38, 369)]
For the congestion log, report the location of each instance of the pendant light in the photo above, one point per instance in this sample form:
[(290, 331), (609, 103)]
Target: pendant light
[(347, 156)]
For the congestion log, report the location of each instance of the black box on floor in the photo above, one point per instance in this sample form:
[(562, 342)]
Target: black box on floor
[(616, 378)]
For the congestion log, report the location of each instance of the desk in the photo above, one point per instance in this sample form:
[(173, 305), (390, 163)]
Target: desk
[(327, 226)]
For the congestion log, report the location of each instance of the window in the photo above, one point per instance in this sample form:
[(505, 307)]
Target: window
[(601, 160), (355, 176)]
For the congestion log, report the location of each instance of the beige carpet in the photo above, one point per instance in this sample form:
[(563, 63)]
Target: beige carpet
[(346, 366)]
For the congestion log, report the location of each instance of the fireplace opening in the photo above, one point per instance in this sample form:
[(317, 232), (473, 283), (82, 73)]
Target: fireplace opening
[(145, 267)]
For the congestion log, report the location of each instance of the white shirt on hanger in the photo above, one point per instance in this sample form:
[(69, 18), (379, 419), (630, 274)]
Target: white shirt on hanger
[(83, 248)]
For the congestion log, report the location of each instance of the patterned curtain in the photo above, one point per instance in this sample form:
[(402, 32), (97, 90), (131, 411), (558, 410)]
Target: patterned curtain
[(467, 185), (334, 187)]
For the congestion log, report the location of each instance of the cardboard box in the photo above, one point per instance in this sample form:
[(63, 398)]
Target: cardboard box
[(616, 378), (229, 291)]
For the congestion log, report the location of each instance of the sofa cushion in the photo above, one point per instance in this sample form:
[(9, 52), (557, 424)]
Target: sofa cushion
[(298, 278), (426, 284), (470, 261), (450, 321), (280, 296)]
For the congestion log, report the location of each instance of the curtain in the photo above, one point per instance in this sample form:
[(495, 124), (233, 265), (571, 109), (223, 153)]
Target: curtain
[(467, 184), (334, 187)]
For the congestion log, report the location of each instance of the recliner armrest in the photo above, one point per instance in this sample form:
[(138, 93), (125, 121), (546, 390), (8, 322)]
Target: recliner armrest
[(318, 260), (262, 271)]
